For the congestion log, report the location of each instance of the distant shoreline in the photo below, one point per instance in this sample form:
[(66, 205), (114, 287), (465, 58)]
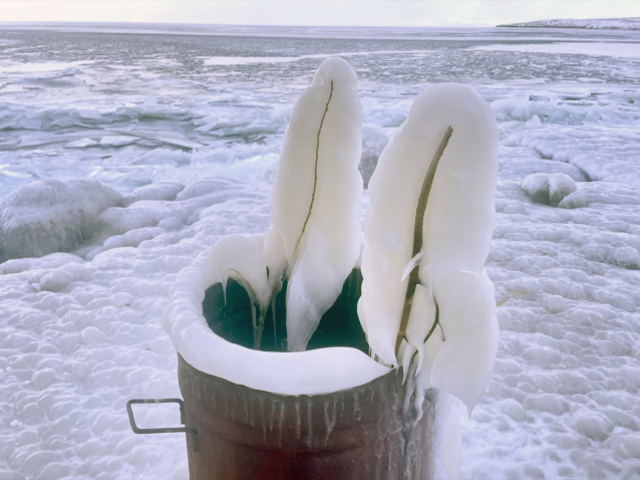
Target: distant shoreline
[(631, 23)]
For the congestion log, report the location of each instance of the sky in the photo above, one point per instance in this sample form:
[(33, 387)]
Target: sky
[(315, 12)]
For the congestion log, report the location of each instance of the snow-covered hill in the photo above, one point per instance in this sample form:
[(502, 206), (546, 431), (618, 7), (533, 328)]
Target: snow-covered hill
[(592, 23)]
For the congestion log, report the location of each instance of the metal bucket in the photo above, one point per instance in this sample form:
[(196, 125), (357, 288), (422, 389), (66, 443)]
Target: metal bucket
[(376, 431), (248, 434)]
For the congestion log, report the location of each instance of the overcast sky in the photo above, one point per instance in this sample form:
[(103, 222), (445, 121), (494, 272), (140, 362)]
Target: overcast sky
[(325, 12)]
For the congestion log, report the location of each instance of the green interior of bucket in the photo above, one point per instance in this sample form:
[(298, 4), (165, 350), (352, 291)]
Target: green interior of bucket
[(339, 326)]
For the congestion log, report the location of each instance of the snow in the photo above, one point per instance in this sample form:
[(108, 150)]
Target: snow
[(562, 401)]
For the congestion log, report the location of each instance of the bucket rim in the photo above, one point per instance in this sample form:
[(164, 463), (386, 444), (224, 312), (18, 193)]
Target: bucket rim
[(311, 372)]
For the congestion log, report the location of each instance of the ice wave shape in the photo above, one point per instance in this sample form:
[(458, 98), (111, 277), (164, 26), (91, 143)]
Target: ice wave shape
[(312, 372), (51, 216), (453, 304), (314, 239)]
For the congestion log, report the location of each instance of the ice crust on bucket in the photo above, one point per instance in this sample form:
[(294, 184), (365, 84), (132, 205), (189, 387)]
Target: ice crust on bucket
[(314, 239), (287, 373), (457, 229)]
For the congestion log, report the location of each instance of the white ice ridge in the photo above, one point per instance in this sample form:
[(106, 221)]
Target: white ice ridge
[(456, 236), (312, 372), (314, 239)]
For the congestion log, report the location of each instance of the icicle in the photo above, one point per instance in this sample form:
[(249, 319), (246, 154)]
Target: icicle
[(273, 316), (259, 330), (413, 263), (253, 317), (407, 356), (224, 290)]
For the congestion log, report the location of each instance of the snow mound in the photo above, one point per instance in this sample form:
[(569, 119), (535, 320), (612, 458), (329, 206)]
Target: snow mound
[(552, 189), (51, 216)]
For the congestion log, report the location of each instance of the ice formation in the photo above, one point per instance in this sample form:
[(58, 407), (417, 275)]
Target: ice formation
[(314, 239), (291, 373), (549, 189), (442, 248), (52, 216)]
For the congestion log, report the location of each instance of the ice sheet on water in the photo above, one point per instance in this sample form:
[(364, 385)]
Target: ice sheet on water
[(572, 48)]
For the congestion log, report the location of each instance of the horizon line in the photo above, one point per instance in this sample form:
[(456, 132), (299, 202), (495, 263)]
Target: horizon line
[(129, 22)]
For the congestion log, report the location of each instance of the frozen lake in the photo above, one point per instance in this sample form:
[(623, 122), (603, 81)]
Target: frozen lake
[(151, 113)]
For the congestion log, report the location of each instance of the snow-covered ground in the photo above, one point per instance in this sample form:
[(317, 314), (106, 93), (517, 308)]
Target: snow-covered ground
[(631, 23), (172, 143)]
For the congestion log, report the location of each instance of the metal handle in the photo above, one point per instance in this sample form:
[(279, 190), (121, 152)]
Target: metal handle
[(147, 431)]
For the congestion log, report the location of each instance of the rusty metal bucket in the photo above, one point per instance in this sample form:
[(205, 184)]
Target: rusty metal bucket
[(248, 434), (376, 431)]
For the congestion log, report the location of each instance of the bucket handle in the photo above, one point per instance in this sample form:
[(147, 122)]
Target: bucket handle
[(147, 431)]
